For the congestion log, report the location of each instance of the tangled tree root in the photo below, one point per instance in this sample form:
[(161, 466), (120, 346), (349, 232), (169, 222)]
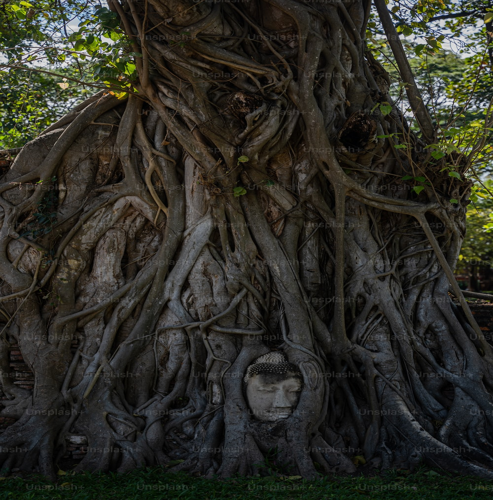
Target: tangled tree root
[(205, 222)]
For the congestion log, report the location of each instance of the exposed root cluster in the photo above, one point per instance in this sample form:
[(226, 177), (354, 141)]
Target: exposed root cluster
[(247, 197)]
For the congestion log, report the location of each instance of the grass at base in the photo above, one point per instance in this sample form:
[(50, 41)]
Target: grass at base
[(156, 483)]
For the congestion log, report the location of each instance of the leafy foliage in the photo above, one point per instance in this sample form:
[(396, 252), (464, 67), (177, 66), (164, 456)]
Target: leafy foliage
[(30, 102), (52, 55), (478, 245)]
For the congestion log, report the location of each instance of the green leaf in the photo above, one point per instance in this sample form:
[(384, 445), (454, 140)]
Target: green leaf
[(239, 191), (243, 159), (359, 460), (431, 473), (418, 189), (437, 154), (455, 174), (115, 36), (173, 462), (488, 18), (269, 183), (453, 200), (130, 68), (407, 178), (385, 109), (420, 179), (453, 131), (102, 11)]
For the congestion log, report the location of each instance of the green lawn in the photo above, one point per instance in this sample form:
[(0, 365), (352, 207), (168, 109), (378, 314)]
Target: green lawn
[(155, 483)]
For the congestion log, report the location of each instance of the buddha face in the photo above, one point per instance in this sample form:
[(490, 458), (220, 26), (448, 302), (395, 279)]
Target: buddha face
[(273, 396)]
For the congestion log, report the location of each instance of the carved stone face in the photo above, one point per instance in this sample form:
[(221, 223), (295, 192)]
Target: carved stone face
[(273, 396)]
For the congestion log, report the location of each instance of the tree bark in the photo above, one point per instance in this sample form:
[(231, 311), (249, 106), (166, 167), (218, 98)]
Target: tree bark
[(247, 197)]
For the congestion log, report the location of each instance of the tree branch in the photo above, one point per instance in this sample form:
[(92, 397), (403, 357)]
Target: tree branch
[(419, 109), (463, 13)]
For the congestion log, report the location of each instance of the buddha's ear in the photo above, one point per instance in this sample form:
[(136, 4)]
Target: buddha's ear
[(311, 374)]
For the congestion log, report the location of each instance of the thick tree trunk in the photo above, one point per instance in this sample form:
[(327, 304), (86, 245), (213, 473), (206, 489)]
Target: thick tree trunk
[(247, 198)]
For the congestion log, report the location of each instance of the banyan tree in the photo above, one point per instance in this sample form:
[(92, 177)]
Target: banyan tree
[(232, 263)]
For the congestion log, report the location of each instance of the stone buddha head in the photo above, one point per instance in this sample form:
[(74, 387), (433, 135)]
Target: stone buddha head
[(273, 387)]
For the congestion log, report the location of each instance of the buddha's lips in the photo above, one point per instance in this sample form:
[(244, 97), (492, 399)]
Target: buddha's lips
[(276, 414)]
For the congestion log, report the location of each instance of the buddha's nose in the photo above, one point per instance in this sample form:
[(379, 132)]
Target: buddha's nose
[(281, 400)]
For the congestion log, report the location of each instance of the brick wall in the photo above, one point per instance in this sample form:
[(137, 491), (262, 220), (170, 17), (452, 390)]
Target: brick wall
[(483, 313), (24, 378)]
